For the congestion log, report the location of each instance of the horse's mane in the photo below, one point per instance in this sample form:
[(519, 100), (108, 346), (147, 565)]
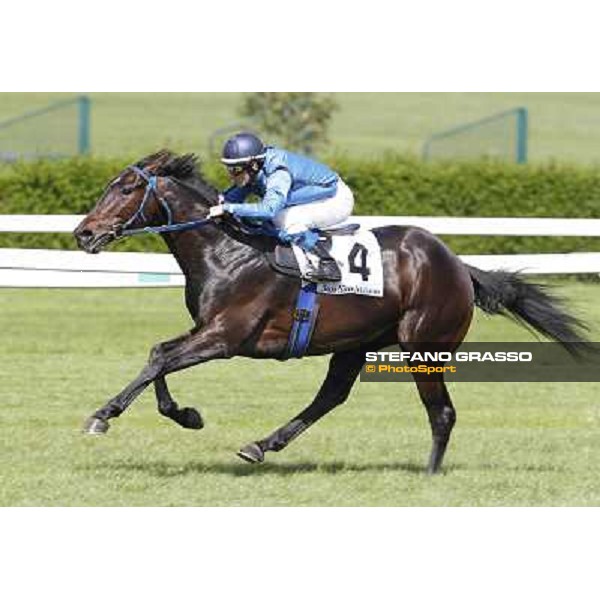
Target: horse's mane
[(185, 168)]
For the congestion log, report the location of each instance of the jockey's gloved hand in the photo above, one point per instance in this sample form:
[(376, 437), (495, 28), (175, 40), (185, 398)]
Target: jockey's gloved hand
[(216, 212)]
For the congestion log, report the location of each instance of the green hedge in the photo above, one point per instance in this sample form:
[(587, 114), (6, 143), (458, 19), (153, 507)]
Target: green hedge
[(392, 185)]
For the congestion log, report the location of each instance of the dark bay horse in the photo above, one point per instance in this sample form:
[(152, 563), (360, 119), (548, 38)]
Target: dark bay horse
[(241, 307)]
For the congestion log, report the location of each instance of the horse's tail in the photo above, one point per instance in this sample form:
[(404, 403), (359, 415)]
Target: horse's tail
[(529, 304)]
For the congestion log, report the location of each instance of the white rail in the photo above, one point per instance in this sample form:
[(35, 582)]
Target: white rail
[(60, 269), (437, 225), (501, 227), (39, 223), (67, 269)]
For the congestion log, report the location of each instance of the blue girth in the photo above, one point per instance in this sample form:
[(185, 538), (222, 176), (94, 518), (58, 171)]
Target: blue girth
[(303, 325)]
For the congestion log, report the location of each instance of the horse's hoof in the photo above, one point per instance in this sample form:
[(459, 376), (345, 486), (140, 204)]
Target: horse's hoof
[(252, 453), (96, 426), (190, 418)]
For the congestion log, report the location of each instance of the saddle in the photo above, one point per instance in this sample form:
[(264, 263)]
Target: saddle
[(282, 259), (280, 256)]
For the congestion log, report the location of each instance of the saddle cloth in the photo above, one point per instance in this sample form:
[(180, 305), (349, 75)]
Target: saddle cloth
[(359, 259)]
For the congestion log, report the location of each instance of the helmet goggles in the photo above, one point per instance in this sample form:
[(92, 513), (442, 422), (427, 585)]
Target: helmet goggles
[(236, 169)]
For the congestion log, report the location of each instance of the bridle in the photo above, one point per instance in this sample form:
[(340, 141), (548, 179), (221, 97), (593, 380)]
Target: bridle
[(152, 191)]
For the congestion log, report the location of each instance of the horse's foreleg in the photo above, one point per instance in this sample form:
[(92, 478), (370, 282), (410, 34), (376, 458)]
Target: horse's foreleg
[(343, 371), (98, 423), (188, 418), (175, 355)]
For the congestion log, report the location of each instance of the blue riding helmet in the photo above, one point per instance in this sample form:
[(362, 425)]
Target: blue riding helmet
[(243, 149)]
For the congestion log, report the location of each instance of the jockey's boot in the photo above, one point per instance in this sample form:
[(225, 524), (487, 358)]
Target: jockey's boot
[(328, 269)]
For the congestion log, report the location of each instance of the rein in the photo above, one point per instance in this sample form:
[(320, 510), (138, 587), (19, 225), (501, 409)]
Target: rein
[(170, 227)]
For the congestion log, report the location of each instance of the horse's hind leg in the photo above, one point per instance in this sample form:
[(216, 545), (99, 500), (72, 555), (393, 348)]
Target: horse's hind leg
[(188, 418), (442, 416), (415, 335), (343, 371)]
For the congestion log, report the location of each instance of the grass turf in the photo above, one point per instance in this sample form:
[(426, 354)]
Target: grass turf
[(66, 352)]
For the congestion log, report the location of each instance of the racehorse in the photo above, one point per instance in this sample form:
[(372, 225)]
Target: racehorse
[(242, 307)]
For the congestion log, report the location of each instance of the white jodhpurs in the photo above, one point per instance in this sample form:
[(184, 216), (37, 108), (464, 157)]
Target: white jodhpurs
[(317, 215)]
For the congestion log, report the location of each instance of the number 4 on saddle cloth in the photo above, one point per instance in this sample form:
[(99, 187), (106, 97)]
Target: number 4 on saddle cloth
[(358, 255)]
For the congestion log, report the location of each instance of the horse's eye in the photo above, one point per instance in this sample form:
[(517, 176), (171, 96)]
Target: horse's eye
[(128, 189)]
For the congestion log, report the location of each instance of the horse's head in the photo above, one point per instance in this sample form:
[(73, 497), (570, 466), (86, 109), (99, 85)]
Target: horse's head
[(141, 196)]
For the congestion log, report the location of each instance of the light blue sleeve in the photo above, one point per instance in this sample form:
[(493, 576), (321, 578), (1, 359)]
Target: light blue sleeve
[(278, 186)]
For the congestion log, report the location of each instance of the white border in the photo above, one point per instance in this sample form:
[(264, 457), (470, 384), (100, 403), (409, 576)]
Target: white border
[(233, 45), (430, 45), (297, 553)]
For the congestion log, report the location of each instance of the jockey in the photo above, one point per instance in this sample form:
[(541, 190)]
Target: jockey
[(297, 195)]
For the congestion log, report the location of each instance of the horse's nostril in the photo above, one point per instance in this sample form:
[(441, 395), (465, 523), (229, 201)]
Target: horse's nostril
[(85, 236)]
